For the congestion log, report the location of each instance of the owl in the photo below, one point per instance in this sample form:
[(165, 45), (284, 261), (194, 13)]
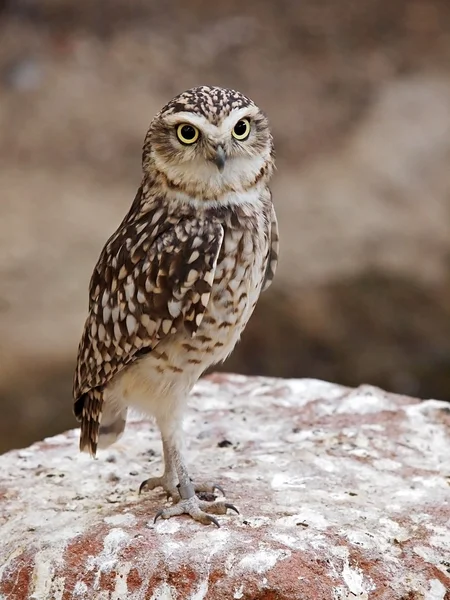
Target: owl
[(177, 282)]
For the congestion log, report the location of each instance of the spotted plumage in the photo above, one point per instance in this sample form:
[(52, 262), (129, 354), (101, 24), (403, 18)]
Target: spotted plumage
[(177, 282)]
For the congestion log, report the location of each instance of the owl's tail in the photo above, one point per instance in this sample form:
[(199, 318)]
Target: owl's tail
[(88, 409), (102, 423)]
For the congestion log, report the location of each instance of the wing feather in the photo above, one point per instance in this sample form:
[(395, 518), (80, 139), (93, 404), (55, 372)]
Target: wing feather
[(149, 282), (272, 261)]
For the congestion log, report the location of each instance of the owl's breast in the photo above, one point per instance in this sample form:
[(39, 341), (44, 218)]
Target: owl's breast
[(237, 285)]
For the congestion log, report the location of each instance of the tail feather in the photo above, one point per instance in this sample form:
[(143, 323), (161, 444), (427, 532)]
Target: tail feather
[(90, 417), (101, 423)]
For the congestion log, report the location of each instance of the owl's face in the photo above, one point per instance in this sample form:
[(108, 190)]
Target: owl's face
[(209, 141)]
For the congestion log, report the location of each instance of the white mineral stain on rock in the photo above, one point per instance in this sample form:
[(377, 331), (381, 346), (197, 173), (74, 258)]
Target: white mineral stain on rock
[(107, 560), (201, 591), (410, 495), (263, 560), (373, 427), (112, 543), (164, 592), (42, 577), (362, 539), (13, 555), (239, 592), (356, 584), (281, 481), (313, 389), (393, 530), (212, 539), (325, 464), (354, 580), (80, 589), (364, 400), (121, 588), (169, 526), (386, 464), (437, 591), (291, 541), (121, 519), (434, 556)]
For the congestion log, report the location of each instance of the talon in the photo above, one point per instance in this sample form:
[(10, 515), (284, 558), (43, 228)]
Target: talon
[(216, 486), (232, 507), (199, 510), (158, 515), (142, 486), (214, 520), (155, 482), (208, 488)]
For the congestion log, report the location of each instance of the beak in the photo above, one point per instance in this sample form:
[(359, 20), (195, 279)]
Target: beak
[(220, 158)]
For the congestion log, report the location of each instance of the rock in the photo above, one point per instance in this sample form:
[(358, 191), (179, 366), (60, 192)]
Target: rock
[(344, 494)]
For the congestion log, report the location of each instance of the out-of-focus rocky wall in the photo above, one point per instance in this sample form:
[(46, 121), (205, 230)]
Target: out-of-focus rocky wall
[(358, 94)]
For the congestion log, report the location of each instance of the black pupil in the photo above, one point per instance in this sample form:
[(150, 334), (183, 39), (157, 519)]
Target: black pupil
[(240, 128), (188, 132)]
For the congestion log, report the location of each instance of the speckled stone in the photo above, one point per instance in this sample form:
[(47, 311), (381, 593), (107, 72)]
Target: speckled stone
[(344, 494)]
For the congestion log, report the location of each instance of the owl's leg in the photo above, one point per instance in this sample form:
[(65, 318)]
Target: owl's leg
[(176, 476), (189, 503), (168, 480)]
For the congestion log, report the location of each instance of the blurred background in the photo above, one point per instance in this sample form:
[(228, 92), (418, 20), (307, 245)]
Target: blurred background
[(358, 95)]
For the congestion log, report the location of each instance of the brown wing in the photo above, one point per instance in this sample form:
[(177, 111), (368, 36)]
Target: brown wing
[(272, 261), (146, 285)]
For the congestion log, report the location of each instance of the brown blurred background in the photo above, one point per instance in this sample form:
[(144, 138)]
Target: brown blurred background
[(358, 94)]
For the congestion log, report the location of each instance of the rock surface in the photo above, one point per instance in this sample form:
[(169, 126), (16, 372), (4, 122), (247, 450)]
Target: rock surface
[(344, 494)]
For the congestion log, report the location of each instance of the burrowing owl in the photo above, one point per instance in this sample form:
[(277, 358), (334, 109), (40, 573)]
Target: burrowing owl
[(177, 282)]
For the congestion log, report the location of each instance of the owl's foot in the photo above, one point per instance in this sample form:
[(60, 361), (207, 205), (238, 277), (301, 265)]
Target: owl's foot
[(198, 509), (205, 491), (169, 485)]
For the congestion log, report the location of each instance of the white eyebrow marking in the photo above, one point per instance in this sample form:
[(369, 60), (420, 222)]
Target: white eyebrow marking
[(210, 130)]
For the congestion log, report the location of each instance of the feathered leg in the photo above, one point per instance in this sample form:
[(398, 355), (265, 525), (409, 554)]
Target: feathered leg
[(184, 494)]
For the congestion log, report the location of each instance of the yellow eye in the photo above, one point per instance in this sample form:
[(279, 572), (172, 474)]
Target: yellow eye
[(187, 134), (241, 130)]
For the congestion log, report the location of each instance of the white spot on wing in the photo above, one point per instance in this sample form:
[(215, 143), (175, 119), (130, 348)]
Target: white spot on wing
[(174, 308), (101, 332), (106, 314), (131, 324), (193, 257)]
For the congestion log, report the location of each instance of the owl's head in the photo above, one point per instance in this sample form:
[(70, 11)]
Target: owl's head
[(209, 141)]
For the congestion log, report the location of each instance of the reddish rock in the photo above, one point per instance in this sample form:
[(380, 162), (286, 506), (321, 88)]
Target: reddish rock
[(344, 494)]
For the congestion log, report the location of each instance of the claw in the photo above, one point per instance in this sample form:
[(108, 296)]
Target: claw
[(142, 486), (155, 482), (214, 520), (216, 486), (208, 488), (158, 515), (232, 507), (199, 510)]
